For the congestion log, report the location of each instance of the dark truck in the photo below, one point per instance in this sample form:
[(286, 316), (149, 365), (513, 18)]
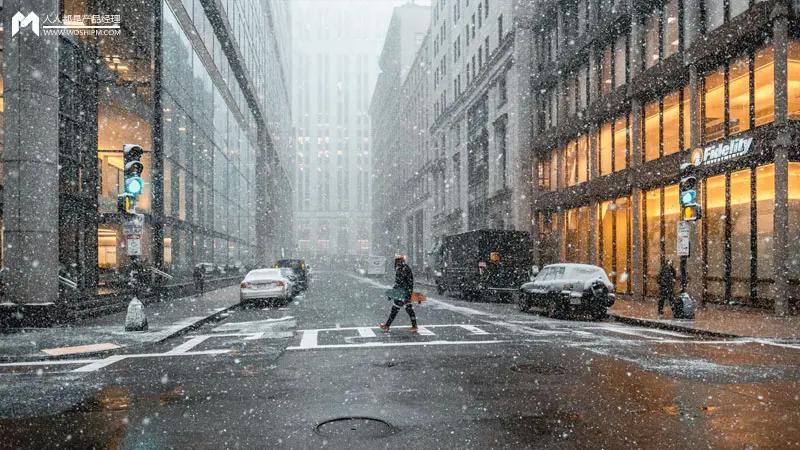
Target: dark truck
[(484, 262)]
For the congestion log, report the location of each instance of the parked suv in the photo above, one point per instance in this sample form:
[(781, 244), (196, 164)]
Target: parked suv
[(566, 288)]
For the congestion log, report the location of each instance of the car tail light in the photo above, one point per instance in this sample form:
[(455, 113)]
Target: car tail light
[(243, 285), (279, 283)]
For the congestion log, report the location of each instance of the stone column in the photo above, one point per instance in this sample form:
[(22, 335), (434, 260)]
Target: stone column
[(781, 144), (30, 159), (594, 170)]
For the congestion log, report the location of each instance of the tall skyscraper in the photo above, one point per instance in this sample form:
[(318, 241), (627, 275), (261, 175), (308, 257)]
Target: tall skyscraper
[(335, 46)]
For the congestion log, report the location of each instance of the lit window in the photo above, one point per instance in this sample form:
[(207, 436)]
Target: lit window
[(714, 117), (764, 78), (604, 149), (739, 96), (794, 80), (651, 138)]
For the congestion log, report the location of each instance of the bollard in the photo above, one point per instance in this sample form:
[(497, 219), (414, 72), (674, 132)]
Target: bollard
[(135, 319)]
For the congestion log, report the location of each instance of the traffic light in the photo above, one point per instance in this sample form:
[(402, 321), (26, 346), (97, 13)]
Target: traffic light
[(125, 203), (134, 184), (690, 209)]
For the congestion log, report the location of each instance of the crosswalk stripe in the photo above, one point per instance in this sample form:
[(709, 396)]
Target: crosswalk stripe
[(366, 332), (422, 331)]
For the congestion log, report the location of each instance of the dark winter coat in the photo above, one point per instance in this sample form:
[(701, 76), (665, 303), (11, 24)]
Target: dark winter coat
[(666, 278), (404, 278)]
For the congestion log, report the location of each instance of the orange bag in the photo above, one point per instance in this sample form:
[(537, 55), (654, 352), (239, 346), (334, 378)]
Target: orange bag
[(418, 297)]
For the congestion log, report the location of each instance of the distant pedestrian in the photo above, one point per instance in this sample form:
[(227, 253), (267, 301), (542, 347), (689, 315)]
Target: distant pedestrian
[(403, 286), (666, 286), (199, 276)]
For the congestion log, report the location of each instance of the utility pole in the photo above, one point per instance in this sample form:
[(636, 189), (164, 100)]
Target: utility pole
[(132, 228), (690, 213)]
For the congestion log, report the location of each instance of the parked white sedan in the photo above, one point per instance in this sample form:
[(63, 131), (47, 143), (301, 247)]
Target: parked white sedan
[(266, 284)]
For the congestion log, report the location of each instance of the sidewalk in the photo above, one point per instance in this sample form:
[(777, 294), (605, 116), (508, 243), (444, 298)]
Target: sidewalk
[(711, 320), (107, 333)]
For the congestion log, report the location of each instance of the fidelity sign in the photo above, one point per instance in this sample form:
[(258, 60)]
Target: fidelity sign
[(722, 151)]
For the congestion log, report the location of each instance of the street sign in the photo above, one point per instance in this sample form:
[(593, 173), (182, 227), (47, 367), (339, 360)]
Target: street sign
[(134, 225), (683, 238), (134, 245)]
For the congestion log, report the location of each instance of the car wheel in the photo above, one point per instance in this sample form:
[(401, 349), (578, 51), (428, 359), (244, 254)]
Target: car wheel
[(554, 309), (599, 313), (522, 301)]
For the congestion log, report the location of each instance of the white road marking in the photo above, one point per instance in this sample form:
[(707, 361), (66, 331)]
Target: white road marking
[(309, 339), (776, 344), (366, 332), (188, 345), (394, 344), (55, 362), (80, 349), (117, 358), (422, 331), (473, 329), (100, 364)]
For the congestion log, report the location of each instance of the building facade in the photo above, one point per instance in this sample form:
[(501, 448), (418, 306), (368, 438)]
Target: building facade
[(335, 48), (201, 86), (625, 92), (478, 52), (400, 113)]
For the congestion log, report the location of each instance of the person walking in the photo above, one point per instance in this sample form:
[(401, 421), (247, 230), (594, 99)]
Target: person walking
[(403, 286), (199, 279), (666, 285)]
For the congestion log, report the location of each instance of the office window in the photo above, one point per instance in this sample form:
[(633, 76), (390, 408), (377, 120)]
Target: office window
[(583, 159), (714, 108), (737, 7), (570, 164), (652, 145), (671, 123), (604, 150), (605, 71), (794, 79), (764, 77), (739, 95), (651, 39), (621, 143), (671, 28), (715, 14), (620, 60)]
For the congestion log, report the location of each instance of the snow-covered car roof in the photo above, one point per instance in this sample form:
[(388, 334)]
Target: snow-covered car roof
[(578, 271), (260, 273)]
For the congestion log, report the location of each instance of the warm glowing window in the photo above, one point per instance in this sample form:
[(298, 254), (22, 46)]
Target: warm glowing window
[(714, 117), (604, 150), (794, 80), (605, 66), (671, 127), (621, 143), (554, 170), (570, 159), (687, 119), (764, 86), (107, 247), (651, 138), (583, 159), (739, 96)]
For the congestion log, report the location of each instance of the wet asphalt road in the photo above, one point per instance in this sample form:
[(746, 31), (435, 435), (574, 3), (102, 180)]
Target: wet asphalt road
[(479, 375)]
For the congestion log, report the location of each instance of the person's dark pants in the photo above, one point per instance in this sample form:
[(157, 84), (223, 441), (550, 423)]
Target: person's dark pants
[(409, 310), (665, 297)]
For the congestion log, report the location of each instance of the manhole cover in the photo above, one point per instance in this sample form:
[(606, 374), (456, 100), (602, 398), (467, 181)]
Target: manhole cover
[(358, 427)]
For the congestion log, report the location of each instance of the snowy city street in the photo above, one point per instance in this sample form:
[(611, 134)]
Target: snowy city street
[(476, 375)]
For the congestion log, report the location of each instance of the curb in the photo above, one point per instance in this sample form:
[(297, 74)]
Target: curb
[(105, 353), (671, 326)]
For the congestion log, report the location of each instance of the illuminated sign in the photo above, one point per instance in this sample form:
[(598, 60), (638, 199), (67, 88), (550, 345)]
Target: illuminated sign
[(722, 151)]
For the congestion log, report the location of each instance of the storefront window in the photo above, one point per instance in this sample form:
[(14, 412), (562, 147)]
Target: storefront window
[(671, 218), (793, 252), (794, 80), (604, 150), (615, 236), (765, 213), (652, 236), (714, 117), (577, 235), (714, 217), (651, 138), (740, 233), (107, 244), (553, 171), (687, 119), (739, 96), (764, 86)]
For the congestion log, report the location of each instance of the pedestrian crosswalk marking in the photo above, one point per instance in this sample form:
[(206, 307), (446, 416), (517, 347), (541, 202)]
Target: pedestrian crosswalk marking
[(309, 339), (366, 332), (422, 331)]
